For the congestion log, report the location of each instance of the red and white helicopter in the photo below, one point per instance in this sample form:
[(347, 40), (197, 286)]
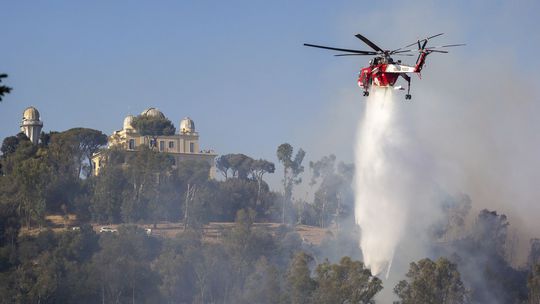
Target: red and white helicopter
[(383, 71)]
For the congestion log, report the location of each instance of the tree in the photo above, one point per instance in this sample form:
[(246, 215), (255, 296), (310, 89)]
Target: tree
[(328, 192), (3, 89), (63, 155), (10, 225), (32, 179), (334, 186), (121, 269), (246, 244), (223, 165), (194, 176), (239, 164), (533, 283), (431, 282), (10, 143), (9, 222), (263, 284), (144, 171), (176, 269), (51, 268), (455, 210), (153, 127), (292, 168), (45, 138), (237, 191), (481, 257), (299, 282), (108, 195), (490, 230), (231, 196), (29, 175), (167, 201), (64, 183), (89, 141), (534, 253), (346, 282), (258, 169), (41, 282)]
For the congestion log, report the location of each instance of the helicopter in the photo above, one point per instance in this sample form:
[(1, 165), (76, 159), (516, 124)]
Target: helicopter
[(383, 71)]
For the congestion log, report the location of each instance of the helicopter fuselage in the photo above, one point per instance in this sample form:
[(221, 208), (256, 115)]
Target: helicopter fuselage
[(382, 75)]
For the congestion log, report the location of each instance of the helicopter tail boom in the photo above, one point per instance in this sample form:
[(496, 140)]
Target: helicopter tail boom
[(421, 61)]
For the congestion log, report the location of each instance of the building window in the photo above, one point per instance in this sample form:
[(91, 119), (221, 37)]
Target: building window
[(161, 145), (191, 147), (171, 144), (131, 145)]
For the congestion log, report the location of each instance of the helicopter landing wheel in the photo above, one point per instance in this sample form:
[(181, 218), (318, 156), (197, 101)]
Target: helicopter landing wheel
[(366, 93), (408, 97)]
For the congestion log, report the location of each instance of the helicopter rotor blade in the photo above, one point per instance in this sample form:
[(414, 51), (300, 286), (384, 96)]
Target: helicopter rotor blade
[(428, 48), (437, 51), (417, 42), (402, 51), (368, 42), (342, 50), (437, 35), (444, 46), (340, 55)]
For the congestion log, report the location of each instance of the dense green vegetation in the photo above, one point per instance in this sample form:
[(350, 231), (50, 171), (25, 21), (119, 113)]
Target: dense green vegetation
[(248, 264), (152, 127)]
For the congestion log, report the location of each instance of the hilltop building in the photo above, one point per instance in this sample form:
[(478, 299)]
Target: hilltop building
[(184, 145), (31, 125)]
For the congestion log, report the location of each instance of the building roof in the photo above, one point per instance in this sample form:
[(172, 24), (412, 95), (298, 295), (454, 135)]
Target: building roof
[(153, 112), (187, 125), (128, 122), (31, 113)]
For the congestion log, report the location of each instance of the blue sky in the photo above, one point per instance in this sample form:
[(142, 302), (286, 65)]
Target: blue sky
[(238, 68)]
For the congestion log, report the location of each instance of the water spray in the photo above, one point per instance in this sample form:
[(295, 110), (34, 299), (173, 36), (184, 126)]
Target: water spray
[(374, 210), (387, 180)]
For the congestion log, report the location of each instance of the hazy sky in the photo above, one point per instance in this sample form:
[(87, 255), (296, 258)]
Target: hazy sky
[(238, 68)]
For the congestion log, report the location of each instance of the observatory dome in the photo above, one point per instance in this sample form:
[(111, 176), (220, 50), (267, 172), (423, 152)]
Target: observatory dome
[(187, 125), (31, 113), (153, 112), (128, 122)]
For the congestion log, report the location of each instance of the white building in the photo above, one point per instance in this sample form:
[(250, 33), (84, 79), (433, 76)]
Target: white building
[(31, 125), (184, 145)]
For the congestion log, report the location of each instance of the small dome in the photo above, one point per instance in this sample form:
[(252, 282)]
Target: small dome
[(187, 125), (31, 113), (153, 112), (127, 122)]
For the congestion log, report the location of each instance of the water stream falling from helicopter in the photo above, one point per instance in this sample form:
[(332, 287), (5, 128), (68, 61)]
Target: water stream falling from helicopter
[(374, 209), (390, 174)]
